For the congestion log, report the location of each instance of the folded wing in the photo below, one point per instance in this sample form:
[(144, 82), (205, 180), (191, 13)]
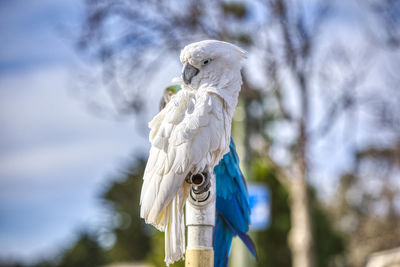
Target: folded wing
[(186, 136)]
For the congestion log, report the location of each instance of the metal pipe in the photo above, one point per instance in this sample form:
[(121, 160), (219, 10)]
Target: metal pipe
[(200, 220)]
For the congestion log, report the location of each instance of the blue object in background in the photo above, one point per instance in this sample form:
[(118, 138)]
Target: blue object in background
[(233, 209), (259, 200)]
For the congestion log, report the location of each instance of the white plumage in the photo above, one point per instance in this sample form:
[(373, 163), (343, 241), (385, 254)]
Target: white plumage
[(189, 135)]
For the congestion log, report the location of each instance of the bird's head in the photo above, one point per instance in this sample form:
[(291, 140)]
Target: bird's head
[(209, 61)]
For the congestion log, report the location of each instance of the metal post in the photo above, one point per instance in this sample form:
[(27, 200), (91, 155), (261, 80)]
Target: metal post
[(200, 220)]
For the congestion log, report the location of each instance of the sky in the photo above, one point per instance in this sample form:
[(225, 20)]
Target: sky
[(55, 157)]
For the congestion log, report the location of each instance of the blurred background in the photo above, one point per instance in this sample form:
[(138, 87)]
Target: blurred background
[(318, 123)]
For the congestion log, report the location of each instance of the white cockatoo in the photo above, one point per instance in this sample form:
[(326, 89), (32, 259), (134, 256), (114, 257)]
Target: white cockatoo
[(190, 135)]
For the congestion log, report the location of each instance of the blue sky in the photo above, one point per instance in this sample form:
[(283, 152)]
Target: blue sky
[(54, 156)]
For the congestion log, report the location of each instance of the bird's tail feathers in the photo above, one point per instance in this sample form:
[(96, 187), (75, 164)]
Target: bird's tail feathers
[(249, 244), (246, 240), (222, 243), (175, 229)]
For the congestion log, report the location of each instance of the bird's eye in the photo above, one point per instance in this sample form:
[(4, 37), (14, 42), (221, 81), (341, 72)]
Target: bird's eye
[(206, 61)]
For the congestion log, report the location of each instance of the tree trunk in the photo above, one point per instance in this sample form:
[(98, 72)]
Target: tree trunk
[(300, 236)]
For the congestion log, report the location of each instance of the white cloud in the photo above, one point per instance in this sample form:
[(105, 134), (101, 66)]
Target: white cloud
[(53, 158)]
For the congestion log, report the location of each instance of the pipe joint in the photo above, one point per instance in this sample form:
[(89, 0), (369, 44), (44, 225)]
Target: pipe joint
[(200, 187), (200, 206)]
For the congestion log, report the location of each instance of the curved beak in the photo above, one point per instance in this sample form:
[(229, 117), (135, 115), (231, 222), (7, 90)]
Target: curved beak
[(188, 73)]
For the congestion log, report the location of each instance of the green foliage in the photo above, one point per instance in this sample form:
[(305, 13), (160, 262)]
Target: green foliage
[(85, 253), (135, 240), (156, 257), (6, 263), (328, 242), (236, 9), (244, 39), (272, 246), (45, 263), (132, 234)]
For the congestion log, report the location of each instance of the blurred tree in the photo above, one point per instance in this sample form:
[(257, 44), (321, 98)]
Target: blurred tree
[(132, 235), (134, 240), (296, 89), (156, 257), (366, 204), (384, 25), (272, 242), (86, 252), (330, 243), (11, 263)]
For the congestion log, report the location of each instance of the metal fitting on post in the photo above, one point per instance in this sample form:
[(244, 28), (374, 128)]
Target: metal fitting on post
[(200, 219), (201, 183)]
